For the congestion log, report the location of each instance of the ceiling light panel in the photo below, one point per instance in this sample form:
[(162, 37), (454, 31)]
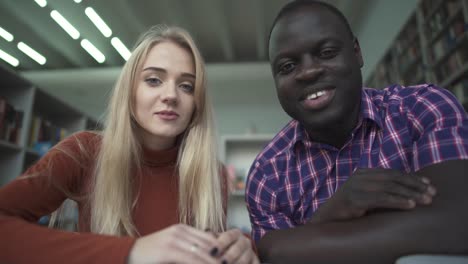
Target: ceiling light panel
[(69, 28), (8, 58), (6, 35), (93, 51), (98, 22), (32, 53), (41, 3), (121, 48)]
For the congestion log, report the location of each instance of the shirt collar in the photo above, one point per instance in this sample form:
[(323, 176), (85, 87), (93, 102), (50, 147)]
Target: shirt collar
[(369, 111)]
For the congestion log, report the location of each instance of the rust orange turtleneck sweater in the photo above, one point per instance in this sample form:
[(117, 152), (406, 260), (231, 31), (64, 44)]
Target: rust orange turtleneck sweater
[(26, 199)]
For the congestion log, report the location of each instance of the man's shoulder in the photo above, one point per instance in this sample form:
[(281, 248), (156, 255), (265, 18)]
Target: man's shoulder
[(281, 143), (400, 92), (407, 97)]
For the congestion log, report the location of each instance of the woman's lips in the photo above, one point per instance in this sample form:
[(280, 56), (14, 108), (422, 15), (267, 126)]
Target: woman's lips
[(167, 115)]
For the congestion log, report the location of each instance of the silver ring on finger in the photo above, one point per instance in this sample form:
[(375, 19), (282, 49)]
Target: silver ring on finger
[(193, 248)]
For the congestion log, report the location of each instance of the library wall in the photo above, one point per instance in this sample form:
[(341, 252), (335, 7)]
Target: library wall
[(243, 94), (31, 122), (380, 27), (431, 47)]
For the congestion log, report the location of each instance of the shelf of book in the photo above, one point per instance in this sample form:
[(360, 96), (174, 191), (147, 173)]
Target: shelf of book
[(429, 8), (8, 146), (454, 76), (238, 153), (432, 47), (31, 121), (457, 15)]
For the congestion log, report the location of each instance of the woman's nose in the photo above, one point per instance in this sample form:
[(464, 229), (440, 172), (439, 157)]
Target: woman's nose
[(169, 93)]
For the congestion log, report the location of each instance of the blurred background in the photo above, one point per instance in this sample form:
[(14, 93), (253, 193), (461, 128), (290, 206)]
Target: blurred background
[(60, 58), (232, 36)]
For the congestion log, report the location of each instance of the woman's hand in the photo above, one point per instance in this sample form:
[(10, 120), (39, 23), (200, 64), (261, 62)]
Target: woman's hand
[(234, 247), (175, 244)]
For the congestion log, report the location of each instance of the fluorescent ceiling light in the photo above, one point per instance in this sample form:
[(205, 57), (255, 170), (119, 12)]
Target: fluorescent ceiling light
[(32, 53), (41, 3), (98, 22), (93, 51), (8, 58), (120, 47), (78, 1), (6, 35), (71, 30)]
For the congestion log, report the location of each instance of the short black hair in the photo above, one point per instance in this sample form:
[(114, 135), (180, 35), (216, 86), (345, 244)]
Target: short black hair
[(298, 4)]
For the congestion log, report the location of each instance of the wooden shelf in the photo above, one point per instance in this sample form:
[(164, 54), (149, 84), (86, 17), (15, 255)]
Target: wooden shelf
[(449, 21), (432, 12), (410, 42), (25, 97), (442, 47), (239, 152), (411, 65), (32, 152), (5, 145), (238, 193), (449, 52), (455, 76)]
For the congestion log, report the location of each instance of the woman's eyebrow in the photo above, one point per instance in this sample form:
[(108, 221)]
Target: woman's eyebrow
[(158, 69), (152, 68)]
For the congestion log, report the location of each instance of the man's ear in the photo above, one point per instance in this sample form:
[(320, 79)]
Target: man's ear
[(357, 52)]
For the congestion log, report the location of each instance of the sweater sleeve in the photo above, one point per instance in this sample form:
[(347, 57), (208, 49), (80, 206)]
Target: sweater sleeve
[(40, 191)]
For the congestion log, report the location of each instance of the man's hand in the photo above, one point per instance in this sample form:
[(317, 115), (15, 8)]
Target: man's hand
[(369, 189)]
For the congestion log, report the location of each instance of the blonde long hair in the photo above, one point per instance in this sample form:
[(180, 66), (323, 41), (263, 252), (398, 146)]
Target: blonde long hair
[(200, 186)]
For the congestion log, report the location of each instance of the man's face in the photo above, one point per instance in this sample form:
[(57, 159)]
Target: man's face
[(316, 66)]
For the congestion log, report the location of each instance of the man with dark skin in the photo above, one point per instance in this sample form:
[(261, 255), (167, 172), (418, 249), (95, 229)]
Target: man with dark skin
[(404, 186)]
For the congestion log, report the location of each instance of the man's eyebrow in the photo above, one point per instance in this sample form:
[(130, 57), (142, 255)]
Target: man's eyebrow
[(286, 52)]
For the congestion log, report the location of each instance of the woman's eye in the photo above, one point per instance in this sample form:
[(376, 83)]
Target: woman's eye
[(153, 81), (287, 68), (187, 87)]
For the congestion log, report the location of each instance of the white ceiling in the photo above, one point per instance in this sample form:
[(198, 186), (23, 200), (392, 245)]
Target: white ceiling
[(227, 31)]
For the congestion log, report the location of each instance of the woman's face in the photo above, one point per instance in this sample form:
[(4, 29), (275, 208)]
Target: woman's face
[(164, 100)]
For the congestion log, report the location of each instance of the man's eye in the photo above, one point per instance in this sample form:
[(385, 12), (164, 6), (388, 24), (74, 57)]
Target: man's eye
[(153, 81), (287, 68), (328, 53)]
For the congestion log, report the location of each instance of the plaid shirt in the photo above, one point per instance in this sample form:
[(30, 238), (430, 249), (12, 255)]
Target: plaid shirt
[(404, 128)]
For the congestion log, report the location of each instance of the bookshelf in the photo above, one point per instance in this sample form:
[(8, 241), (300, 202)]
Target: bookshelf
[(432, 47), (238, 153), (25, 108)]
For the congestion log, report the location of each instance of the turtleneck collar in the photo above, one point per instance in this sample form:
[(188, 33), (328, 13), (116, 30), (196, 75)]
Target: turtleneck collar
[(159, 158)]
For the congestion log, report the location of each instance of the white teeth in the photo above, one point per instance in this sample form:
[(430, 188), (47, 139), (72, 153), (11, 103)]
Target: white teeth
[(315, 95)]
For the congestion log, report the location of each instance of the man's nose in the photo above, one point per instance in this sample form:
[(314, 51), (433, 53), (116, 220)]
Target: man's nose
[(310, 70)]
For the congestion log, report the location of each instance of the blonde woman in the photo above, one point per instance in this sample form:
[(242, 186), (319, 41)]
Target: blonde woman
[(148, 188)]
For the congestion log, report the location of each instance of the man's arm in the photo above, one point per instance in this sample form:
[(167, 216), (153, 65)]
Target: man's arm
[(383, 237)]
